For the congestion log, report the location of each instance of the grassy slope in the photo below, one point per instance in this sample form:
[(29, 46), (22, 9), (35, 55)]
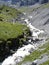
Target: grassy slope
[(11, 34), (8, 13), (9, 30)]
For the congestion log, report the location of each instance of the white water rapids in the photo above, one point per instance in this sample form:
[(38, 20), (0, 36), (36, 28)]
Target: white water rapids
[(18, 55), (24, 51)]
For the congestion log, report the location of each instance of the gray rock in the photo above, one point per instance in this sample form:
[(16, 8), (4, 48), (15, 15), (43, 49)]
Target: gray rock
[(27, 63)]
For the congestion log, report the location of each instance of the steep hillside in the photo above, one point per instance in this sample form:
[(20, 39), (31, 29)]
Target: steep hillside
[(11, 33), (25, 2), (38, 17), (8, 14)]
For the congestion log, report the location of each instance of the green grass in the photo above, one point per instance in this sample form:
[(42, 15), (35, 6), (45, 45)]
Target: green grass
[(45, 63), (10, 30), (8, 13)]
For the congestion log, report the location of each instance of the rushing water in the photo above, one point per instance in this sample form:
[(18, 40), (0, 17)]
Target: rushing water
[(18, 55)]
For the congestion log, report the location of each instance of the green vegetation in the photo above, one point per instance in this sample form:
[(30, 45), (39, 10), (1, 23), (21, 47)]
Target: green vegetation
[(9, 30), (11, 33), (11, 37), (45, 63), (7, 14)]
